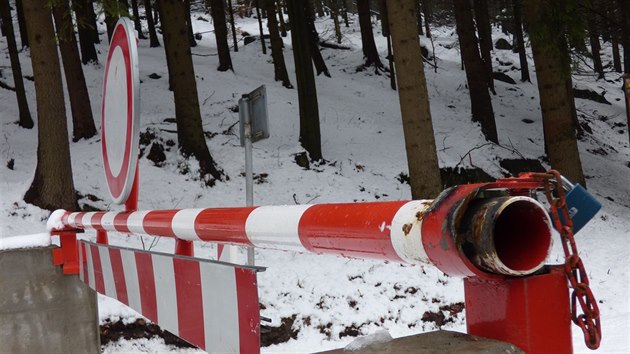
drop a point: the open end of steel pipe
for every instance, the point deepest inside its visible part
(506, 235)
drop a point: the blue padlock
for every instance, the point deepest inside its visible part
(581, 204)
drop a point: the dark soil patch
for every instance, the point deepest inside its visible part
(274, 335)
(591, 95)
(114, 331)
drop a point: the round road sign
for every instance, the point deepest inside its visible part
(120, 118)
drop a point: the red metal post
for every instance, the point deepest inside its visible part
(131, 204)
(101, 237)
(532, 312)
(66, 255)
(184, 248)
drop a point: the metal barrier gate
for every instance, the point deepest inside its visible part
(494, 235)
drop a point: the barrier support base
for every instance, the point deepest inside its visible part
(531, 312)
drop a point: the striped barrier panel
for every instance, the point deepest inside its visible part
(210, 304)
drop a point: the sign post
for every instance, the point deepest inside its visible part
(254, 126)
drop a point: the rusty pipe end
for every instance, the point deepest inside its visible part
(506, 235)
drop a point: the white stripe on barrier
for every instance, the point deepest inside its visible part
(108, 276)
(108, 221)
(405, 231)
(183, 224)
(220, 302)
(131, 279)
(90, 265)
(71, 219)
(87, 218)
(276, 227)
(166, 294)
(135, 222)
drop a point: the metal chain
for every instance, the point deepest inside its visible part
(588, 320)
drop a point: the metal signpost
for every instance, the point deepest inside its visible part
(254, 126)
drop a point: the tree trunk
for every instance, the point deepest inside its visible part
(190, 134)
(260, 27)
(485, 38)
(19, 9)
(624, 6)
(86, 34)
(419, 18)
(136, 19)
(316, 55)
(279, 67)
(25, 114)
(424, 172)
(344, 14)
(595, 48)
(231, 10)
(191, 35)
(217, 11)
(52, 186)
(426, 8)
(110, 8)
(310, 137)
(92, 20)
(283, 25)
(517, 6)
(153, 39)
(614, 36)
(551, 57)
(334, 13)
(367, 37)
(385, 31)
(481, 103)
(319, 7)
(82, 120)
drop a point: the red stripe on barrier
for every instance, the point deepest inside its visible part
(189, 301)
(248, 312)
(96, 221)
(64, 217)
(360, 230)
(119, 275)
(225, 224)
(146, 285)
(159, 222)
(120, 222)
(99, 283)
(78, 219)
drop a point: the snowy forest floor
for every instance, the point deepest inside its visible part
(327, 301)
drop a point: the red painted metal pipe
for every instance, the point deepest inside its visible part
(463, 232)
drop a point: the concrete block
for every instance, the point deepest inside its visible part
(41, 309)
(437, 342)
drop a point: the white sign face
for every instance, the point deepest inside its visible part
(120, 119)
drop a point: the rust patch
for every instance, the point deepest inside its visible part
(407, 229)
(420, 215)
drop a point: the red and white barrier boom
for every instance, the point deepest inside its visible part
(494, 235)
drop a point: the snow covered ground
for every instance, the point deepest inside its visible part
(335, 299)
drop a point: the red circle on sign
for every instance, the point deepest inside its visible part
(120, 162)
